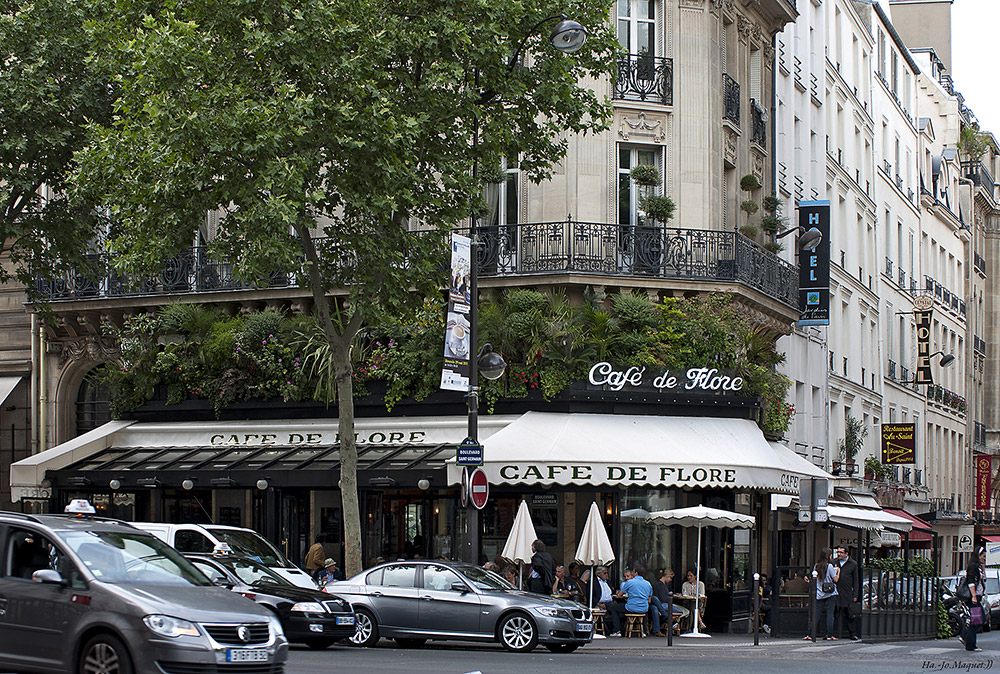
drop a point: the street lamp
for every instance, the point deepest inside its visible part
(567, 36)
(809, 239)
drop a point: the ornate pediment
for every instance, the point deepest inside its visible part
(641, 127)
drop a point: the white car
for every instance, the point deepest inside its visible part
(205, 538)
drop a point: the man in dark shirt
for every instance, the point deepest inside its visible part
(543, 570)
(847, 591)
(661, 599)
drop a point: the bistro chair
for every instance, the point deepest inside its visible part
(635, 625)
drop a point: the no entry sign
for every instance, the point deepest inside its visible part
(479, 488)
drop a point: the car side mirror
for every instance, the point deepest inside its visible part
(48, 577)
(459, 587)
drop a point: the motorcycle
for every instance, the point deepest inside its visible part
(957, 610)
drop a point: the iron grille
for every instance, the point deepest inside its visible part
(259, 633)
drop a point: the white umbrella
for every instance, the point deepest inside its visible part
(634, 514)
(701, 516)
(522, 535)
(595, 546)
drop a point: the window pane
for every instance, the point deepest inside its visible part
(623, 34)
(398, 576)
(647, 9)
(624, 7)
(439, 578)
(511, 207)
(624, 199)
(644, 42)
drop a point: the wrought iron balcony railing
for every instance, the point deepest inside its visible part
(645, 78)
(977, 172)
(758, 120)
(600, 249)
(730, 99)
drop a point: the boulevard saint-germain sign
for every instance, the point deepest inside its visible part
(694, 380)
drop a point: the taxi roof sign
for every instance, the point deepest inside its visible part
(222, 549)
(80, 507)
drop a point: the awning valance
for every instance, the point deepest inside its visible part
(921, 530)
(866, 518)
(617, 449)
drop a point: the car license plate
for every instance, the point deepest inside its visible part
(584, 627)
(247, 655)
(345, 620)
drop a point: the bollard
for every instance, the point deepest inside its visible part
(670, 619)
(812, 605)
(756, 609)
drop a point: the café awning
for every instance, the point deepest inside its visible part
(542, 448)
(921, 531)
(869, 519)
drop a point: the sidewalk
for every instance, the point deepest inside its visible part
(723, 641)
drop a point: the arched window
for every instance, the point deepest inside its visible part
(93, 402)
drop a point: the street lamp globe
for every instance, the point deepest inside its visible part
(568, 36)
(490, 363)
(946, 360)
(810, 239)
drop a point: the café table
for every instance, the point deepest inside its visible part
(688, 601)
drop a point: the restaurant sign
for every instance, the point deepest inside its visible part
(898, 443)
(695, 379)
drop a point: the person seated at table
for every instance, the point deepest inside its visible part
(695, 588)
(510, 575)
(765, 603)
(602, 595)
(661, 597)
(559, 582)
(572, 580)
(795, 585)
(637, 592)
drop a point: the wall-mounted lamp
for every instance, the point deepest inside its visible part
(115, 484)
(262, 484)
(423, 484)
(808, 238)
(151, 482)
(187, 483)
(222, 482)
(946, 358)
(385, 481)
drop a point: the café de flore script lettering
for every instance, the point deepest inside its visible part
(696, 379)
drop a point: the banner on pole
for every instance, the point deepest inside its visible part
(455, 372)
(984, 481)
(814, 265)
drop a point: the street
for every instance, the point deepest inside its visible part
(626, 656)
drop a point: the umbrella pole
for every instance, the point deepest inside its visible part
(520, 575)
(697, 595)
(590, 590)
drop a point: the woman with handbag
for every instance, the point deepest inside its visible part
(826, 575)
(974, 579)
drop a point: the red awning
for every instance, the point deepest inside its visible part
(991, 539)
(921, 530)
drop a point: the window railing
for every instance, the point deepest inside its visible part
(730, 99)
(891, 370)
(758, 120)
(508, 250)
(642, 77)
(941, 395)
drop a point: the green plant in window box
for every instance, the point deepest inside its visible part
(874, 469)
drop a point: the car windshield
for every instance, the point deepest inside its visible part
(253, 573)
(249, 544)
(132, 558)
(485, 580)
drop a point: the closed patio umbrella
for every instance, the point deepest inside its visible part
(522, 534)
(700, 516)
(595, 546)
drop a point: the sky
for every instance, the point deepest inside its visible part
(974, 28)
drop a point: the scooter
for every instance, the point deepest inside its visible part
(957, 610)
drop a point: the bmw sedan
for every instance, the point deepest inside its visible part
(311, 617)
(413, 602)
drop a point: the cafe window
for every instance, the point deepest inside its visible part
(646, 544)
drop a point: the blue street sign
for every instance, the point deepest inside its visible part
(470, 453)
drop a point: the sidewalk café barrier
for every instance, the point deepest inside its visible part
(894, 605)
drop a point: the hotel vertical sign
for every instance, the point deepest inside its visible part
(984, 481)
(922, 311)
(814, 265)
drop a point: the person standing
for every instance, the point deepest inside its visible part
(315, 557)
(847, 591)
(543, 569)
(974, 576)
(827, 575)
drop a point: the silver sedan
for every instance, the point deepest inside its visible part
(412, 602)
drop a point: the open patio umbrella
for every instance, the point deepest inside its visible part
(595, 546)
(518, 546)
(700, 516)
(634, 514)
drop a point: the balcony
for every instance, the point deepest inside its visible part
(978, 263)
(645, 78)
(730, 100)
(891, 370)
(977, 172)
(943, 396)
(510, 251)
(758, 120)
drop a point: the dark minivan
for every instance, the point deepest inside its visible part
(82, 594)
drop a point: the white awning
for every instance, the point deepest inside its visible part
(7, 385)
(617, 449)
(866, 518)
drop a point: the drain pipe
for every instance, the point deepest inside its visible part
(43, 398)
(34, 383)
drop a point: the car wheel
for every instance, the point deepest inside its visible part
(517, 633)
(320, 644)
(105, 654)
(562, 648)
(365, 629)
(410, 643)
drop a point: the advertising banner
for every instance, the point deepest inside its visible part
(814, 265)
(899, 443)
(984, 481)
(455, 372)
(923, 322)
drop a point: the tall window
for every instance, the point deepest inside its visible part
(637, 26)
(628, 193)
(502, 198)
(93, 402)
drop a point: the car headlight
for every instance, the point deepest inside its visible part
(167, 626)
(308, 607)
(550, 612)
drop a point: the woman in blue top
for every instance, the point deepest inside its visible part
(827, 575)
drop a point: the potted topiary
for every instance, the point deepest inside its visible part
(855, 433)
(874, 469)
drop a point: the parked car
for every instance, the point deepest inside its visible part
(203, 538)
(312, 617)
(81, 594)
(412, 602)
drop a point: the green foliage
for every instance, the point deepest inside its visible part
(749, 206)
(853, 441)
(646, 175)
(918, 566)
(657, 208)
(943, 627)
(875, 467)
(770, 224)
(774, 247)
(972, 142)
(749, 231)
(772, 204)
(749, 183)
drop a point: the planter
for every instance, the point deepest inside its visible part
(837, 467)
(851, 468)
(869, 475)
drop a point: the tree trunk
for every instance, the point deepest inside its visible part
(348, 463)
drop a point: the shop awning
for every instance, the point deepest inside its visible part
(991, 539)
(921, 530)
(868, 519)
(618, 449)
(7, 385)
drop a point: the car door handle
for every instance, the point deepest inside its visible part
(427, 597)
(375, 594)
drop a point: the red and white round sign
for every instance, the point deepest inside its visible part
(479, 488)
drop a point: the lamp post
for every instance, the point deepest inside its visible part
(567, 36)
